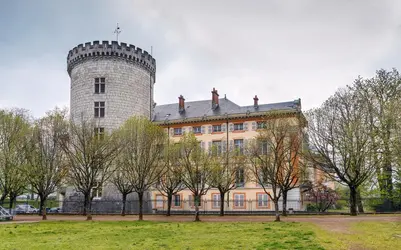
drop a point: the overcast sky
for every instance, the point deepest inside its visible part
(279, 50)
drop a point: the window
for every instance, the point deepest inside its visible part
(97, 191)
(159, 201)
(215, 200)
(239, 200)
(261, 125)
(100, 85)
(263, 147)
(177, 200)
(239, 177)
(99, 109)
(216, 128)
(262, 200)
(177, 131)
(216, 147)
(239, 146)
(238, 126)
(197, 130)
(99, 133)
(192, 201)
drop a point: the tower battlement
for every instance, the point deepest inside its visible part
(98, 50)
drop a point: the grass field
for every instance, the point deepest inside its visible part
(190, 235)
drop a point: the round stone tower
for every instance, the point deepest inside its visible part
(110, 82)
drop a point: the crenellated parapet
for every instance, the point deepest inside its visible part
(123, 51)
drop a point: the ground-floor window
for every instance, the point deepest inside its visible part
(192, 200)
(215, 200)
(159, 201)
(177, 200)
(262, 200)
(97, 191)
(239, 200)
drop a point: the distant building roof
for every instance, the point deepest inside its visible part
(202, 110)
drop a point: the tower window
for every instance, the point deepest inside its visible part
(99, 132)
(100, 85)
(99, 109)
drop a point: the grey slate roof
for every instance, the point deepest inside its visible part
(203, 109)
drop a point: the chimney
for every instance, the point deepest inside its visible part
(181, 104)
(215, 99)
(255, 102)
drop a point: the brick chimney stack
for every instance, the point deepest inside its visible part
(215, 99)
(255, 101)
(181, 104)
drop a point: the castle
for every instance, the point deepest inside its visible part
(113, 81)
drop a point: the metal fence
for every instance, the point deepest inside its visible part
(371, 205)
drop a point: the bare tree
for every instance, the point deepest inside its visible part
(272, 163)
(293, 165)
(196, 169)
(141, 155)
(90, 152)
(121, 180)
(47, 166)
(225, 163)
(170, 183)
(14, 130)
(341, 141)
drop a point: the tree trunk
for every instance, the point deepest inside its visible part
(85, 204)
(11, 202)
(43, 207)
(196, 199)
(169, 202)
(276, 209)
(2, 198)
(359, 202)
(285, 202)
(221, 203)
(88, 202)
(352, 200)
(124, 202)
(140, 198)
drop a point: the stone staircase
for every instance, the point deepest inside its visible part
(4, 214)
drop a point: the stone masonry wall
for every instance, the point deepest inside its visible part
(127, 90)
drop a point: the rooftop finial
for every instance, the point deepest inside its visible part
(117, 31)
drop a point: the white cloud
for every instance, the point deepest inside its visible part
(279, 50)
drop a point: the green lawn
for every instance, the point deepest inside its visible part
(191, 235)
(156, 235)
(363, 235)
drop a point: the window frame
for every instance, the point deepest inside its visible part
(173, 205)
(177, 134)
(260, 125)
(216, 126)
(258, 200)
(213, 200)
(241, 124)
(95, 189)
(100, 85)
(219, 146)
(241, 147)
(99, 109)
(238, 206)
(157, 196)
(196, 127)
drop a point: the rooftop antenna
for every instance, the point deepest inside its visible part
(117, 31)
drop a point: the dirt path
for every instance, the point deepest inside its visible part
(331, 223)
